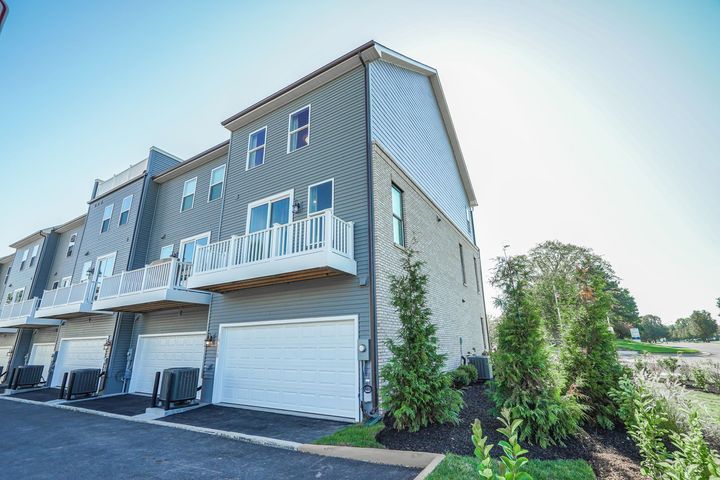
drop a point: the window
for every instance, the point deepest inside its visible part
(18, 295)
(217, 182)
(256, 148)
(462, 264)
(125, 210)
(85, 273)
(265, 213)
(477, 275)
(189, 245)
(320, 197)
(299, 129)
(167, 251)
(7, 275)
(65, 282)
(55, 285)
(103, 268)
(468, 216)
(71, 245)
(107, 215)
(188, 198)
(398, 215)
(34, 255)
(24, 260)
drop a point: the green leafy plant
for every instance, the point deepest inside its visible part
(699, 377)
(460, 378)
(471, 371)
(670, 364)
(513, 459)
(417, 392)
(524, 380)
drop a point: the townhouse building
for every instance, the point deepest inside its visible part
(266, 261)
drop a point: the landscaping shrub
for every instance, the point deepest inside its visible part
(512, 462)
(471, 371)
(460, 378)
(416, 392)
(523, 381)
(670, 364)
(588, 355)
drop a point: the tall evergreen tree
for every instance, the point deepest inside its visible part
(417, 392)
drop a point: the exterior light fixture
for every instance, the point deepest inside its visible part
(210, 340)
(296, 207)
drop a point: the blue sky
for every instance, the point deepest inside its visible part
(595, 123)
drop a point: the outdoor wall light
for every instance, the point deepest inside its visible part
(210, 340)
(296, 207)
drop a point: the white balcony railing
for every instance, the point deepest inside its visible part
(120, 178)
(19, 309)
(73, 294)
(313, 234)
(162, 275)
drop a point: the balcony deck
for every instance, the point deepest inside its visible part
(73, 301)
(22, 314)
(158, 286)
(315, 247)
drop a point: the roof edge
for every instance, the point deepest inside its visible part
(195, 161)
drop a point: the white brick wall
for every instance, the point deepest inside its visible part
(457, 309)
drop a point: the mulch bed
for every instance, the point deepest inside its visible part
(612, 454)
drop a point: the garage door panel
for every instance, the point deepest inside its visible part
(78, 353)
(306, 367)
(156, 353)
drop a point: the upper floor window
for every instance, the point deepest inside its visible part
(7, 275)
(256, 148)
(320, 197)
(71, 244)
(86, 271)
(299, 129)
(65, 282)
(34, 255)
(462, 264)
(125, 210)
(188, 246)
(217, 182)
(55, 285)
(398, 216)
(18, 295)
(468, 215)
(188, 198)
(477, 274)
(167, 251)
(107, 215)
(23, 260)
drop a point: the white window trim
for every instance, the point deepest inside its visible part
(84, 277)
(249, 150)
(128, 209)
(109, 219)
(278, 196)
(71, 244)
(103, 257)
(222, 191)
(182, 198)
(69, 281)
(194, 238)
(33, 256)
(55, 285)
(14, 294)
(290, 132)
(332, 197)
(172, 250)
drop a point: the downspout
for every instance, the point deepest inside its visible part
(371, 241)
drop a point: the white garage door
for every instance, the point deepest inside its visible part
(77, 353)
(4, 359)
(306, 366)
(41, 354)
(155, 353)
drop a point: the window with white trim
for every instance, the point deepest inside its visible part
(7, 275)
(125, 210)
(86, 273)
(188, 198)
(55, 285)
(217, 183)
(71, 245)
(65, 282)
(256, 148)
(18, 295)
(34, 255)
(24, 258)
(107, 215)
(320, 197)
(167, 251)
(188, 246)
(299, 129)
(477, 274)
(398, 216)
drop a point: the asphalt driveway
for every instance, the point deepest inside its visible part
(41, 442)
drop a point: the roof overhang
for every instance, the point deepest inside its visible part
(28, 321)
(72, 224)
(361, 55)
(7, 259)
(31, 238)
(8, 330)
(200, 159)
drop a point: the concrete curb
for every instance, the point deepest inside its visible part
(400, 458)
(430, 467)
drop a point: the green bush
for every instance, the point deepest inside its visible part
(460, 378)
(471, 371)
(524, 381)
(512, 462)
(416, 392)
(699, 377)
(670, 364)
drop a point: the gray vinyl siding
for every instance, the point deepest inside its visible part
(337, 150)
(170, 225)
(118, 238)
(7, 339)
(45, 335)
(62, 265)
(95, 326)
(24, 278)
(405, 119)
(3, 273)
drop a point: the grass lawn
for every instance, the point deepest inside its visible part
(710, 401)
(651, 347)
(457, 467)
(358, 435)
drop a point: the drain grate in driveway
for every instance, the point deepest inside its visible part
(42, 395)
(253, 422)
(128, 404)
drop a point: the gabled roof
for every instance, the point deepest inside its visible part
(365, 53)
(72, 224)
(7, 259)
(31, 238)
(193, 162)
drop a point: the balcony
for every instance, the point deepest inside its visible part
(314, 247)
(72, 301)
(22, 314)
(157, 286)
